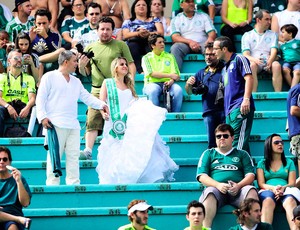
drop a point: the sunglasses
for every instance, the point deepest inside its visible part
(297, 218)
(4, 159)
(225, 136)
(277, 142)
(17, 58)
(92, 14)
(123, 64)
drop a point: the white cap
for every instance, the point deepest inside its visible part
(142, 206)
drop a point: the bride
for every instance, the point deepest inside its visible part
(131, 150)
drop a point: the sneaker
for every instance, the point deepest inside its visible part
(85, 155)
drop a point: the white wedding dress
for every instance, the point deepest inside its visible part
(141, 156)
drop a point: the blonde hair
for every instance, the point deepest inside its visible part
(127, 79)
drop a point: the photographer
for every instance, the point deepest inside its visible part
(17, 91)
(206, 83)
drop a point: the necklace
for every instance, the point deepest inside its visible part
(111, 8)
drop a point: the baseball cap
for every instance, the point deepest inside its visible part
(17, 3)
(296, 212)
(142, 206)
(181, 1)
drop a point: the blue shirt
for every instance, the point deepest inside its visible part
(293, 100)
(233, 77)
(211, 80)
(41, 46)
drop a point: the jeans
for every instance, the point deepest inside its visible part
(155, 90)
(211, 121)
(180, 50)
(3, 116)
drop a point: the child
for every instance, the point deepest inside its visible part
(290, 54)
(4, 41)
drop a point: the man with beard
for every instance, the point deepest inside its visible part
(249, 216)
(105, 51)
(138, 216)
(208, 79)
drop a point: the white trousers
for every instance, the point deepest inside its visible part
(69, 143)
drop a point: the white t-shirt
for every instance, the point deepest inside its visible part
(195, 28)
(289, 17)
(259, 44)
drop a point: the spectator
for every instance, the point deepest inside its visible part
(206, 6)
(206, 82)
(16, 194)
(87, 34)
(160, 72)
(4, 46)
(17, 91)
(293, 114)
(30, 60)
(236, 18)
(5, 16)
(105, 51)
(137, 29)
(57, 105)
(23, 21)
(276, 177)
(45, 42)
(296, 218)
(249, 216)
(118, 10)
(70, 25)
(238, 101)
(137, 215)
(260, 46)
(195, 215)
(227, 173)
(148, 160)
(290, 54)
(157, 11)
(190, 31)
(289, 16)
(50, 5)
(271, 5)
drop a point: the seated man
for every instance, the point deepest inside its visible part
(17, 91)
(137, 215)
(195, 215)
(15, 194)
(161, 71)
(227, 173)
(45, 42)
(260, 46)
(249, 215)
(190, 31)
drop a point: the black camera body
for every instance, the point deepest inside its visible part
(79, 48)
(199, 88)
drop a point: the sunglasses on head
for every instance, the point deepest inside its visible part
(277, 142)
(225, 136)
(4, 159)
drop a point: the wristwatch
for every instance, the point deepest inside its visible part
(6, 106)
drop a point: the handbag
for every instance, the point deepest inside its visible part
(16, 131)
(18, 105)
(167, 99)
(220, 94)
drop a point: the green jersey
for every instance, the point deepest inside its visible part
(291, 51)
(15, 26)
(234, 165)
(188, 228)
(260, 226)
(130, 227)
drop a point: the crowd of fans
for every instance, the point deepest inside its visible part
(34, 39)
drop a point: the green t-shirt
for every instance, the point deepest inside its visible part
(163, 63)
(281, 176)
(291, 51)
(260, 226)
(15, 26)
(130, 227)
(104, 54)
(233, 166)
(16, 90)
(188, 228)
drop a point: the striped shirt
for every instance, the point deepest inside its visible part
(15, 26)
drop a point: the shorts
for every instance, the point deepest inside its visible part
(291, 66)
(269, 194)
(223, 199)
(94, 120)
(6, 225)
(295, 146)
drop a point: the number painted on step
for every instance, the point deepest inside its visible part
(87, 164)
(175, 139)
(114, 212)
(255, 138)
(15, 141)
(258, 115)
(80, 188)
(261, 96)
(121, 188)
(71, 213)
(157, 211)
(38, 190)
(165, 187)
(180, 116)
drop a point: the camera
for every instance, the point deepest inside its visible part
(79, 48)
(199, 88)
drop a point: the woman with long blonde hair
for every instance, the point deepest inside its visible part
(131, 151)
